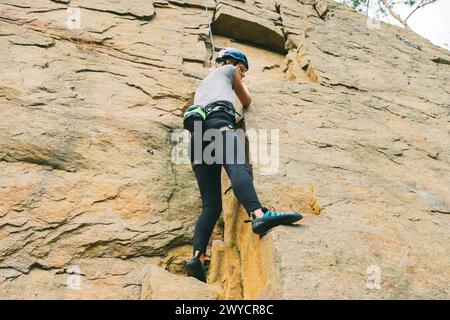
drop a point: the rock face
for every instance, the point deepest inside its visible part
(159, 284)
(249, 23)
(91, 94)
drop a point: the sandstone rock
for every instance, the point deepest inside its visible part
(85, 279)
(140, 9)
(321, 8)
(67, 123)
(159, 284)
(252, 26)
(90, 196)
(195, 3)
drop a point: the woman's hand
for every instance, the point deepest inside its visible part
(240, 88)
(248, 93)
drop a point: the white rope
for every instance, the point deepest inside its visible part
(210, 31)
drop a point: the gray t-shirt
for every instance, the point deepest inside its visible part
(217, 85)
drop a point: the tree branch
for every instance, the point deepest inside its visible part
(421, 4)
(384, 12)
(395, 15)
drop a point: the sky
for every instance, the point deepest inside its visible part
(431, 22)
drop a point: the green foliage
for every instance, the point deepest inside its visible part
(221, 222)
(361, 5)
(379, 6)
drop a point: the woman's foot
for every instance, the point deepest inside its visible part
(265, 219)
(195, 268)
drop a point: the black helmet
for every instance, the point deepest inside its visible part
(232, 53)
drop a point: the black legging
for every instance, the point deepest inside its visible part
(209, 182)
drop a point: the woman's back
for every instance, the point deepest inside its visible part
(217, 85)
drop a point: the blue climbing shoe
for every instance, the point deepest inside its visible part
(272, 219)
(195, 268)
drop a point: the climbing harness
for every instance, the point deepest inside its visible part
(210, 31)
(408, 43)
(200, 113)
(221, 106)
(193, 113)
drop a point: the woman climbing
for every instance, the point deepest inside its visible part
(217, 92)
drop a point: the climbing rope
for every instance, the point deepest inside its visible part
(210, 31)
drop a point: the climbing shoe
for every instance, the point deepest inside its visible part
(271, 219)
(194, 268)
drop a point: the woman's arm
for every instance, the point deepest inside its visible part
(241, 90)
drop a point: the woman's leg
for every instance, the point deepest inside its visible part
(239, 172)
(208, 179)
